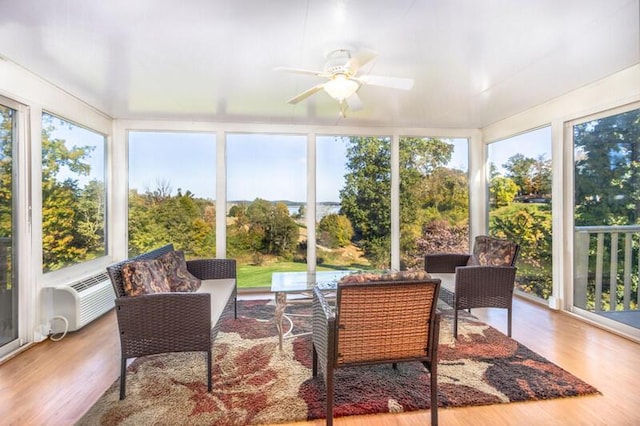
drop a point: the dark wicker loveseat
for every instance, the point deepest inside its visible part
(174, 321)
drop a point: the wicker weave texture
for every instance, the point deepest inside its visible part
(485, 287)
(444, 263)
(212, 269)
(158, 323)
(323, 335)
(384, 322)
(377, 322)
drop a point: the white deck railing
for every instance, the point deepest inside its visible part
(620, 264)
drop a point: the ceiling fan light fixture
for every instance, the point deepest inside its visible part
(340, 87)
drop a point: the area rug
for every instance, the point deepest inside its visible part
(255, 383)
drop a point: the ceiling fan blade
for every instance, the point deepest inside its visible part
(354, 102)
(306, 94)
(301, 71)
(391, 82)
(359, 59)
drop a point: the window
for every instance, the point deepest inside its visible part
(353, 181)
(266, 205)
(607, 215)
(73, 193)
(520, 205)
(8, 283)
(172, 192)
(434, 198)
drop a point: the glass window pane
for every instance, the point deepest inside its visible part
(266, 204)
(607, 216)
(8, 283)
(73, 193)
(172, 192)
(520, 205)
(353, 190)
(434, 198)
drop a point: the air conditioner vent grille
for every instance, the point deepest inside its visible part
(80, 286)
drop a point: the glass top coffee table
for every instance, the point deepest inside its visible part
(299, 283)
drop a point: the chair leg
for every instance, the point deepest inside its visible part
(455, 323)
(395, 365)
(509, 322)
(123, 377)
(235, 308)
(329, 396)
(434, 394)
(209, 372)
(314, 369)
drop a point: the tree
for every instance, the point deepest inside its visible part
(365, 198)
(62, 240)
(520, 171)
(157, 217)
(607, 170)
(263, 228)
(335, 230)
(531, 175)
(91, 217)
(503, 191)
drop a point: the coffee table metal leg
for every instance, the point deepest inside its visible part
(281, 304)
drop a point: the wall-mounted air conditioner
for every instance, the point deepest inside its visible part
(81, 302)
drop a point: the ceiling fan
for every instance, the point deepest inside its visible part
(343, 81)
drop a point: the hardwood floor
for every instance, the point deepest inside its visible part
(54, 383)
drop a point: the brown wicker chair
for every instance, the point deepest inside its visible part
(483, 279)
(377, 323)
(169, 322)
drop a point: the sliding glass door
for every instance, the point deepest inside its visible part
(8, 283)
(607, 218)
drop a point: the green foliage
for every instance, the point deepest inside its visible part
(532, 176)
(157, 218)
(430, 193)
(530, 226)
(365, 198)
(607, 170)
(6, 172)
(72, 217)
(335, 230)
(262, 228)
(503, 191)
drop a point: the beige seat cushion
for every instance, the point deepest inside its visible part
(220, 291)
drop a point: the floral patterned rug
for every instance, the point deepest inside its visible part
(255, 383)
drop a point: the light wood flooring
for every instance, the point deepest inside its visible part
(55, 383)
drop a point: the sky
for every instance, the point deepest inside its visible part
(272, 167)
(531, 144)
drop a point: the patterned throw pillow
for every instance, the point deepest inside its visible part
(368, 277)
(144, 277)
(493, 251)
(175, 266)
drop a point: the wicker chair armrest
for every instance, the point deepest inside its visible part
(164, 322)
(445, 262)
(212, 269)
(493, 284)
(323, 335)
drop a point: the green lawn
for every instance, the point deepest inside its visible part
(260, 276)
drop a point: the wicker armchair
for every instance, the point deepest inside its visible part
(483, 279)
(169, 322)
(377, 323)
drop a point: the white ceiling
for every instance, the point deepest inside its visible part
(474, 62)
